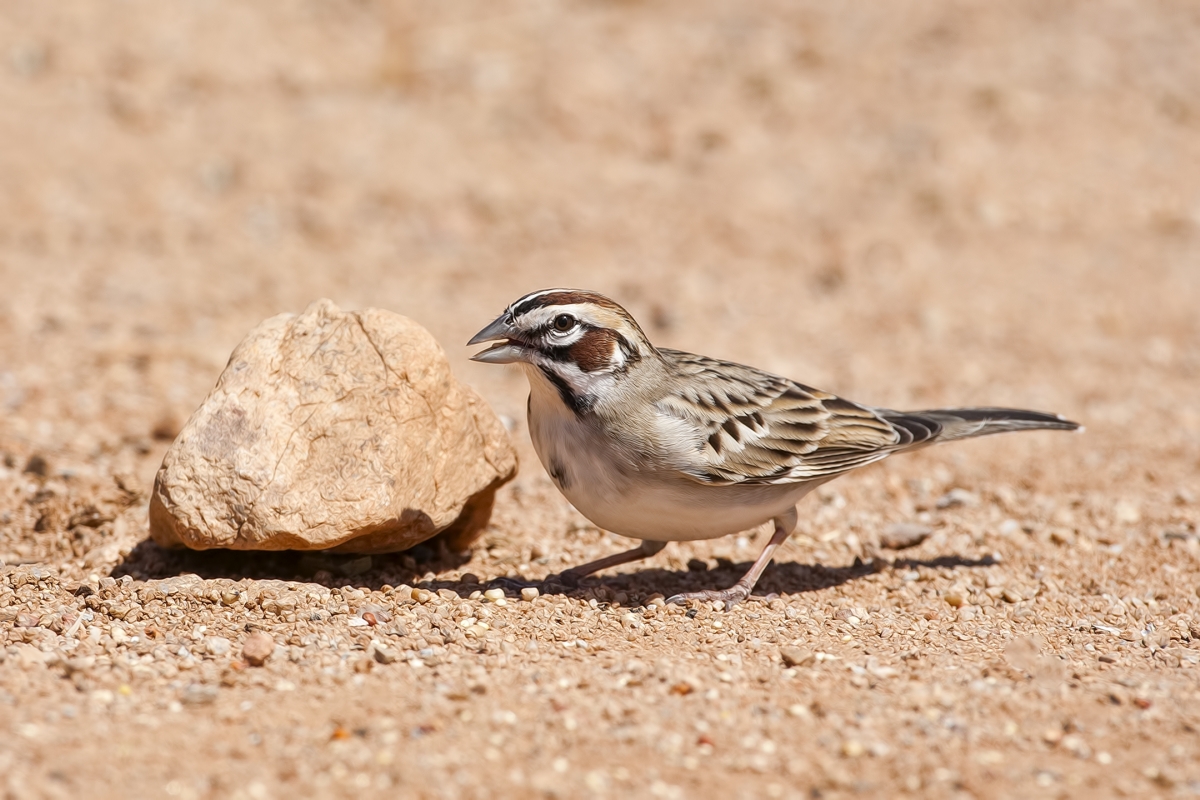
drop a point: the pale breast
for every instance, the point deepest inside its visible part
(622, 493)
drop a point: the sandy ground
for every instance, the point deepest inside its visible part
(912, 204)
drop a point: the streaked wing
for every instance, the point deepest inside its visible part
(761, 428)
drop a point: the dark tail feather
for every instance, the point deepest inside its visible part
(948, 424)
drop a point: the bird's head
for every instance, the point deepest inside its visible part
(566, 329)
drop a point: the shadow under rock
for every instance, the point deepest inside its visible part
(147, 561)
(778, 579)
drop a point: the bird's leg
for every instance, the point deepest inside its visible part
(784, 525)
(646, 549)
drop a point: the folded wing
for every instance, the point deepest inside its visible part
(762, 428)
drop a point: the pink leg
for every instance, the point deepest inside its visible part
(646, 549)
(784, 525)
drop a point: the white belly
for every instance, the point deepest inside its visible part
(663, 512)
(609, 488)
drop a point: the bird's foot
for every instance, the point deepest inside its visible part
(567, 579)
(730, 597)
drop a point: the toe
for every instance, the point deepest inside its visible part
(730, 597)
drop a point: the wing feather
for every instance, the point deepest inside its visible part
(759, 428)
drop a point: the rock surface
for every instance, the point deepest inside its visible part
(333, 429)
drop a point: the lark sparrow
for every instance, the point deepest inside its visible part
(663, 446)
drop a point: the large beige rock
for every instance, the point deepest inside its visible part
(333, 429)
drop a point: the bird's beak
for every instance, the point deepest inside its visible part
(507, 350)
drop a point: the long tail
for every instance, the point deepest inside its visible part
(948, 424)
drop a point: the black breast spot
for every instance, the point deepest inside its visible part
(558, 473)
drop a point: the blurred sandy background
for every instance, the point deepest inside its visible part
(911, 204)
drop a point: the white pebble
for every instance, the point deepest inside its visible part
(218, 646)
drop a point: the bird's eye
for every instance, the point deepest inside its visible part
(564, 323)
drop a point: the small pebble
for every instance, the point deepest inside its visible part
(218, 646)
(37, 465)
(796, 656)
(904, 535)
(1062, 536)
(956, 498)
(529, 593)
(1127, 512)
(198, 694)
(385, 655)
(258, 648)
(494, 594)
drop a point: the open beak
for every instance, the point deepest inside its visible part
(507, 350)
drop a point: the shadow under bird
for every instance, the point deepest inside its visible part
(662, 446)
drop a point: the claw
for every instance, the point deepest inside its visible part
(730, 597)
